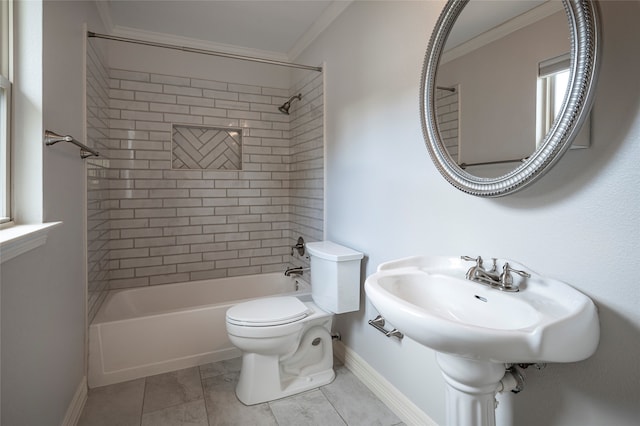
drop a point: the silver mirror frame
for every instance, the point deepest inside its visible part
(584, 29)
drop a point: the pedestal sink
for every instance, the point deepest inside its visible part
(476, 329)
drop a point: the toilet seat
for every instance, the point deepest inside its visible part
(269, 312)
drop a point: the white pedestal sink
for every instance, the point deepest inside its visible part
(476, 329)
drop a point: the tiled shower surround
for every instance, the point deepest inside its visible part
(448, 119)
(98, 202)
(172, 225)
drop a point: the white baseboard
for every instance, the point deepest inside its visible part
(385, 391)
(77, 404)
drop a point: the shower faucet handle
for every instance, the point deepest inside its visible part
(299, 247)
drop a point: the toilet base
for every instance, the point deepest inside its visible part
(269, 377)
(250, 394)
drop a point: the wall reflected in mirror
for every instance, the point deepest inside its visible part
(497, 94)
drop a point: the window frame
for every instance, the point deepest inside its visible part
(6, 61)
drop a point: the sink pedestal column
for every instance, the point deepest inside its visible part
(471, 389)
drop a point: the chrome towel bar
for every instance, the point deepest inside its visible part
(51, 138)
(378, 323)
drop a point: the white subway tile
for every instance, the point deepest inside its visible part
(259, 99)
(219, 94)
(190, 100)
(183, 258)
(168, 278)
(220, 255)
(128, 104)
(195, 211)
(147, 213)
(183, 230)
(139, 86)
(140, 262)
(177, 109)
(141, 232)
(170, 250)
(209, 84)
(196, 266)
(128, 75)
(121, 94)
(155, 270)
(183, 91)
(244, 88)
(210, 112)
(155, 97)
(182, 119)
(168, 221)
(219, 121)
(221, 103)
(170, 79)
(216, 229)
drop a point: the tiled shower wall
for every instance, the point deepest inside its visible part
(97, 85)
(178, 225)
(307, 160)
(448, 119)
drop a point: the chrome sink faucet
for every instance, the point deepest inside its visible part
(502, 281)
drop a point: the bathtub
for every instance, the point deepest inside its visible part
(150, 330)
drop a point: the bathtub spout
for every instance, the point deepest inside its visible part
(295, 271)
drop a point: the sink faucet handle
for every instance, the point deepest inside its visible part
(478, 260)
(506, 279)
(473, 271)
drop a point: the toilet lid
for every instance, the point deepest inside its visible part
(268, 312)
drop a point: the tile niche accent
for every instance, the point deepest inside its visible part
(206, 148)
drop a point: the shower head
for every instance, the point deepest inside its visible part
(284, 108)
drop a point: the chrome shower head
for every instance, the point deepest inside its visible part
(284, 108)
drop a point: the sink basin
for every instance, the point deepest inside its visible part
(429, 299)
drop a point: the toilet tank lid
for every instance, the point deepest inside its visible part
(331, 251)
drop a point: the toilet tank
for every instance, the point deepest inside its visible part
(335, 276)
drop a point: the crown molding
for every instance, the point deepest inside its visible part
(324, 20)
(534, 15)
(105, 14)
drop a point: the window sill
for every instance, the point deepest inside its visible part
(19, 239)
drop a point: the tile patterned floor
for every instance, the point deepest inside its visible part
(205, 396)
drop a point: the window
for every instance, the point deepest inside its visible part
(553, 78)
(5, 111)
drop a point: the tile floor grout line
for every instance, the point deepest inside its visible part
(144, 391)
(321, 389)
(206, 409)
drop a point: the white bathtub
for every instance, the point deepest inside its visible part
(150, 330)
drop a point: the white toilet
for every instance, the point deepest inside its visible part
(286, 343)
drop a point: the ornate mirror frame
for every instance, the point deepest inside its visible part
(585, 44)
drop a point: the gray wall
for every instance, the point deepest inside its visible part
(579, 223)
(44, 290)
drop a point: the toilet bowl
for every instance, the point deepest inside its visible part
(280, 356)
(286, 343)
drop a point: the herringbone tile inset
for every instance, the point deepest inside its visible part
(207, 148)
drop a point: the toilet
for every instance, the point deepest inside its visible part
(285, 342)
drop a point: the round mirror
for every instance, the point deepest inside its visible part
(505, 88)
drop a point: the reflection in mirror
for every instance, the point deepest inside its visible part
(496, 92)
